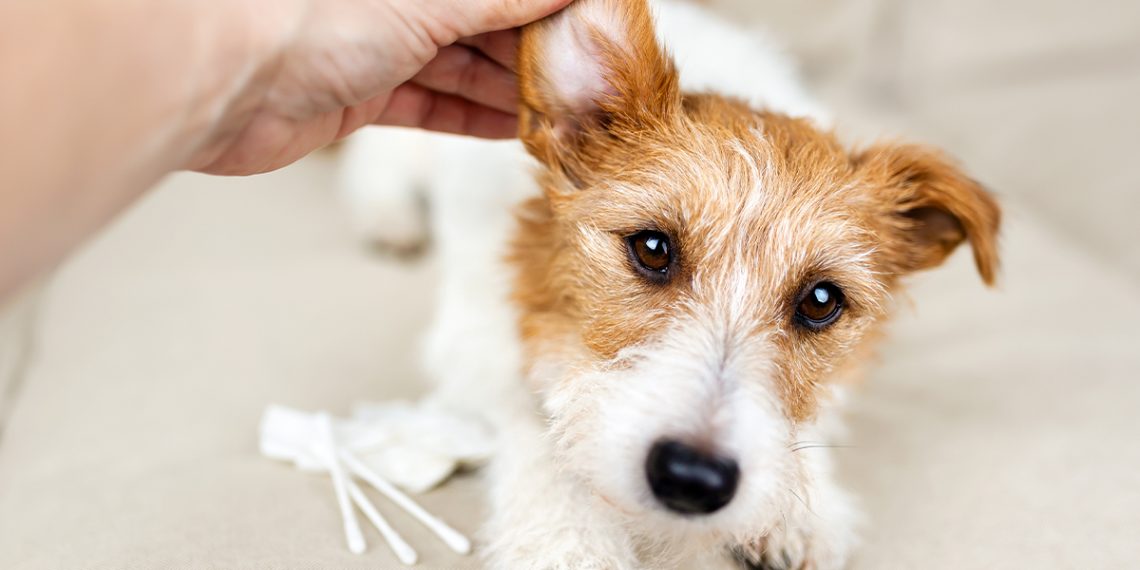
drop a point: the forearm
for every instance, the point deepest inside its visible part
(101, 98)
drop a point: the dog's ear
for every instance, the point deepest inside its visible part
(592, 70)
(930, 207)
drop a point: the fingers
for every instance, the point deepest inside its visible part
(501, 46)
(491, 15)
(457, 70)
(413, 105)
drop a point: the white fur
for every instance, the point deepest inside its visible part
(385, 197)
(572, 55)
(569, 487)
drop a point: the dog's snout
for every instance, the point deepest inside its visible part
(690, 481)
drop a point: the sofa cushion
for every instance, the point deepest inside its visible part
(134, 444)
(996, 433)
(17, 325)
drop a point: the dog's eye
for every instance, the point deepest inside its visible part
(821, 306)
(651, 254)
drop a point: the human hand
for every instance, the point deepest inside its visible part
(444, 65)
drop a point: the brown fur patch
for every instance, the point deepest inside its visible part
(758, 207)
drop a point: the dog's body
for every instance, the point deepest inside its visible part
(640, 323)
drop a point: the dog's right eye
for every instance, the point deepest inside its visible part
(652, 254)
(820, 306)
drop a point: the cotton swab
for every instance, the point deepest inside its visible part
(352, 531)
(310, 442)
(403, 550)
(448, 535)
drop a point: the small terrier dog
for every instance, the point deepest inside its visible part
(666, 316)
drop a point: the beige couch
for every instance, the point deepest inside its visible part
(1000, 430)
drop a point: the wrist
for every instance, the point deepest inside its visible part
(240, 55)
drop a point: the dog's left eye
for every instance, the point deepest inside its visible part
(651, 253)
(821, 306)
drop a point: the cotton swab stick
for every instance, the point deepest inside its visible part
(352, 532)
(403, 550)
(448, 535)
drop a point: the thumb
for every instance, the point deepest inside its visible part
(480, 16)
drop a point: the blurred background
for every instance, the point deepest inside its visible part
(999, 431)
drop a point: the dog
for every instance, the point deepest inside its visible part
(662, 308)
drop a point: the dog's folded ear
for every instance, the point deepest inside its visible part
(929, 207)
(594, 69)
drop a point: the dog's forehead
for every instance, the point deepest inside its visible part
(724, 154)
(736, 184)
(754, 200)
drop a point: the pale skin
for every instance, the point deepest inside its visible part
(102, 98)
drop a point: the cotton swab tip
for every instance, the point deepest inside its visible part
(356, 543)
(406, 555)
(453, 539)
(404, 551)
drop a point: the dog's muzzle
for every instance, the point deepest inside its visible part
(690, 481)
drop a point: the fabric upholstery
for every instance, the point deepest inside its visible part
(997, 431)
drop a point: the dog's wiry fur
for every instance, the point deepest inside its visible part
(592, 363)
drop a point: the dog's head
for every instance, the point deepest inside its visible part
(698, 273)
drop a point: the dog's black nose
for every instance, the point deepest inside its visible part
(690, 481)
